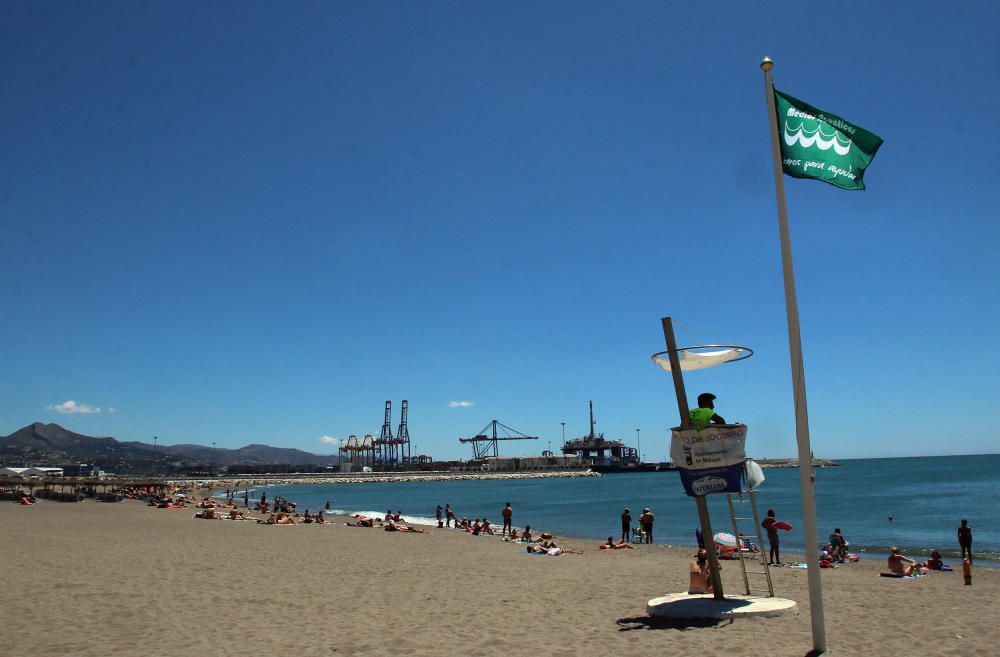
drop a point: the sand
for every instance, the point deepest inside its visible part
(109, 580)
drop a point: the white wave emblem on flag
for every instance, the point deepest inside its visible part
(808, 138)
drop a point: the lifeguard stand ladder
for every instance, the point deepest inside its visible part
(765, 572)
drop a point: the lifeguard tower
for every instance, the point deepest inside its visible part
(712, 461)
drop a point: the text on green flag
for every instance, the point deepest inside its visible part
(819, 145)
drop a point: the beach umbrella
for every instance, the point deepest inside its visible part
(722, 539)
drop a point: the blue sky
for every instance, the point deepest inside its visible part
(242, 223)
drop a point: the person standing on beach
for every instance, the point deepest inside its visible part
(626, 525)
(965, 539)
(437, 515)
(705, 414)
(774, 556)
(449, 515)
(507, 513)
(838, 545)
(646, 522)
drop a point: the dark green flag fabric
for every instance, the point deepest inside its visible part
(822, 146)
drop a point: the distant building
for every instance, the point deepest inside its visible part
(42, 472)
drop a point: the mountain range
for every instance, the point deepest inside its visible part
(52, 445)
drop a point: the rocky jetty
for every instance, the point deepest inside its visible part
(794, 463)
(378, 478)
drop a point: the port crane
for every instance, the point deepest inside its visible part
(487, 439)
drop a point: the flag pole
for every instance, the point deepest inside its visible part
(807, 479)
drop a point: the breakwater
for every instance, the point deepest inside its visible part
(794, 463)
(376, 478)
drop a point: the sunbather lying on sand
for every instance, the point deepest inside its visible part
(396, 527)
(620, 545)
(362, 521)
(550, 549)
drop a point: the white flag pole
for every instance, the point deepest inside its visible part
(807, 479)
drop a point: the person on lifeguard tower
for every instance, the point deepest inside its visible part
(705, 413)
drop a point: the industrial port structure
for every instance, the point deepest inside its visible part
(386, 451)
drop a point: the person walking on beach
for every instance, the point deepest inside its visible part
(646, 522)
(507, 513)
(626, 525)
(774, 556)
(449, 515)
(437, 514)
(705, 414)
(965, 539)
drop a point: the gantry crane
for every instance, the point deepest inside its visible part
(487, 438)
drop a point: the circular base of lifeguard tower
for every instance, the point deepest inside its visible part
(686, 606)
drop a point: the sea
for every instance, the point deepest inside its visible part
(915, 503)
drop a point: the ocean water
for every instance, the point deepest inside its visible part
(926, 498)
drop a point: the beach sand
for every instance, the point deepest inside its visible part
(110, 580)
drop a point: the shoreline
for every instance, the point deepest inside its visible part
(985, 559)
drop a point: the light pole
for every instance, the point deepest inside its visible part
(154, 443)
(638, 446)
(564, 433)
(214, 456)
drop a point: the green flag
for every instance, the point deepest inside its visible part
(819, 145)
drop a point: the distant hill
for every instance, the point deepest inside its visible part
(51, 444)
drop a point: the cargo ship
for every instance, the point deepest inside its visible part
(605, 455)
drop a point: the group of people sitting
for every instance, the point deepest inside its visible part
(278, 505)
(901, 565)
(478, 527)
(544, 544)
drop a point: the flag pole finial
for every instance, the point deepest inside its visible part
(766, 64)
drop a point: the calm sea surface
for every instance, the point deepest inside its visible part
(926, 497)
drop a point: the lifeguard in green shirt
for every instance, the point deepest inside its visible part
(705, 414)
